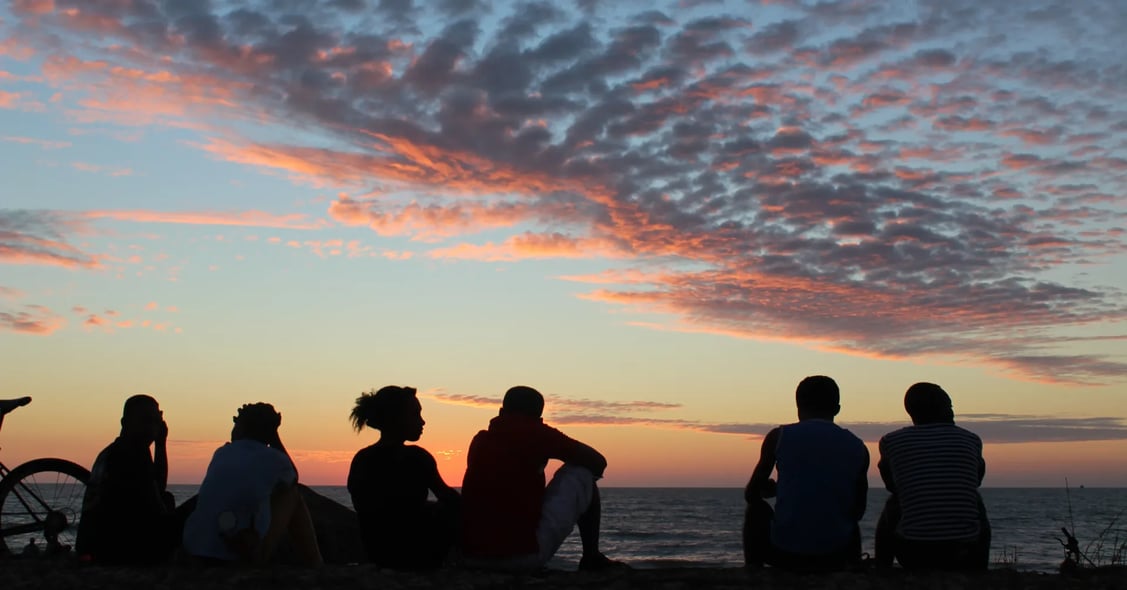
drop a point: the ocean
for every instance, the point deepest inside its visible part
(666, 527)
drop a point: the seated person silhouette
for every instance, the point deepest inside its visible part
(935, 518)
(509, 520)
(389, 482)
(249, 501)
(128, 516)
(821, 489)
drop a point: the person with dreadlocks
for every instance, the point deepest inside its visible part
(249, 500)
(390, 481)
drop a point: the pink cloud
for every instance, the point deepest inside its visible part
(34, 319)
(558, 403)
(1034, 137)
(955, 123)
(1021, 161)
(34, 6)
(97, 169)
(396, 160)
(41, 143)
(747, 181)
(433, 222)
(226, 218)
(885, 99)
(529, 246)
(16, 248)
(18, 101)
(139, 96)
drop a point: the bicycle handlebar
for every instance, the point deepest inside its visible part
(7, 405)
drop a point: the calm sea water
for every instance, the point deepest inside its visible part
(656, 527)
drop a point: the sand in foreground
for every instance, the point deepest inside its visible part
(18, 574)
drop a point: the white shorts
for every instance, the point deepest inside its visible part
(566, 498)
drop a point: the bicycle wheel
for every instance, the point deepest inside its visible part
(41, 503)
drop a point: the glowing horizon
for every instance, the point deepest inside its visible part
(661, 216)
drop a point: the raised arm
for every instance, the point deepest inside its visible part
(586, 456)
(276, 442)
(160, 457)
(761, 485)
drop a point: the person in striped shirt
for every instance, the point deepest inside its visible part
(935, 517)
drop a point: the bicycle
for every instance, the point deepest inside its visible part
(40, 500)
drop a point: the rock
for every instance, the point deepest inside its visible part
(338, 532)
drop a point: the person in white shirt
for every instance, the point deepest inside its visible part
(249, 499)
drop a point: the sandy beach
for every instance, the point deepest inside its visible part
(66, 575)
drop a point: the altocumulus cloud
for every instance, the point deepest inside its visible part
(887, 183)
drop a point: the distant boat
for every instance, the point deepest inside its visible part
(1081, 486)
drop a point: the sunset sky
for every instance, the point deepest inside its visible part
(663, 215)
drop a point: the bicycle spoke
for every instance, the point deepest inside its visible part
(38, 498)
(42, 505)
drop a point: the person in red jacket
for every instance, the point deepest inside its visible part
(511, 521)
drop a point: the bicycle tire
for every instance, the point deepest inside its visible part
(34, 496)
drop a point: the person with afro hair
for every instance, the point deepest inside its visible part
(249, 500)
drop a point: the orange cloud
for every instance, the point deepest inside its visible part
(109, 321)
(134, 96)
(33, 250)
(34, 6)
(532, 246)
(34, 319)
(963, 124)
(19, 101)
(425, 221)
(96, 169)
(398, 160)
(557, 403)
(12, 48)
(1021, 161)
(1033, 136)
(228, 218)
(42, 143)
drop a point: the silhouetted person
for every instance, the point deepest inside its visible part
(510, 521)
(249, 501)
(128, 516)
(389, 483)
(821, 489)
(935, 518)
